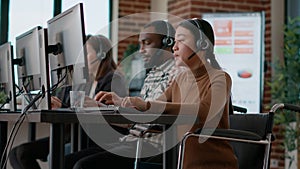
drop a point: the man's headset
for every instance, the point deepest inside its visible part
(202, 43)
(168, 41)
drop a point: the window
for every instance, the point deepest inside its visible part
(24, 15)
(96, 15)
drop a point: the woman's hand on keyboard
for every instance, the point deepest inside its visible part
(55, 102)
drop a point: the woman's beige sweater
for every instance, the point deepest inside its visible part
(204, 92)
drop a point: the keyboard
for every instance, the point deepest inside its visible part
(129, 110)
(105, 109)
(101, 109)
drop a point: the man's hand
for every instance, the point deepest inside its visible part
(88, 102)
(108, 98)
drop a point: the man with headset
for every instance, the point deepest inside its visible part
(156, 42)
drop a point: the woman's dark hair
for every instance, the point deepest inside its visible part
(197, 26)
(102, 44)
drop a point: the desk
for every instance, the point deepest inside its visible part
(57, 119)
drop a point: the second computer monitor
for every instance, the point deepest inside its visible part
(32, 63)
(66, 39)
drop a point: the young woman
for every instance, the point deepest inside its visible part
(204, 90)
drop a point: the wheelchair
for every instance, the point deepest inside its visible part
(249, 134)
(158, 129)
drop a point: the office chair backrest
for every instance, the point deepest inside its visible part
(250, 156)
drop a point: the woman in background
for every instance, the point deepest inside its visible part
(102, 70)
(102, 67)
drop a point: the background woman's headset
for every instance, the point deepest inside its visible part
(101, 55)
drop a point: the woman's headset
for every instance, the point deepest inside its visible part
(167, 41)
(101, 55)
(202, 43)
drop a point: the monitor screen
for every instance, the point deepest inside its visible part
(7, 82)
(66, 39)
(28, 55)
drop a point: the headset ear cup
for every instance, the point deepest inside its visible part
(205, 44)
(168, 42)
(202, 44)
(101, 55)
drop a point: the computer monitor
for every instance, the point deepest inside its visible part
(28, 56)
(32, 64)
(7, 82)
(66, 50)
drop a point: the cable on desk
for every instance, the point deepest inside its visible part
(17, 126)
(21, 119)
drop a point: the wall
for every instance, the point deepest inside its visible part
(194, 8)
(126, 8)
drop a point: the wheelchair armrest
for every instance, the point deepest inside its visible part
(239, 109)
(230, 133)
(153, 129)
(142, 131)
(156, 127)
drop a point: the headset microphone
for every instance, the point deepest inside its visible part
(193, 54)
(95, 60)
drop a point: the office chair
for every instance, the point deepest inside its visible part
(250, 136)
